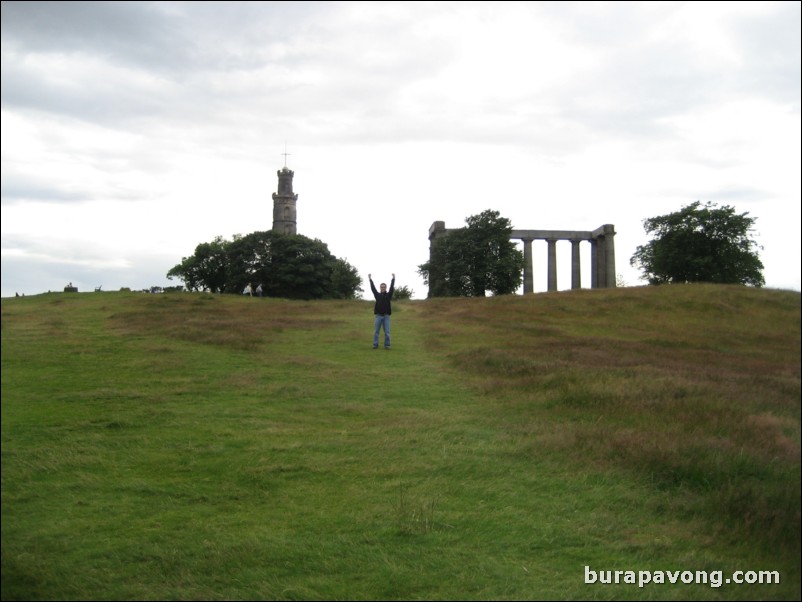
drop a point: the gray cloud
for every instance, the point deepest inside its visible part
(131, 32)
(22, 189)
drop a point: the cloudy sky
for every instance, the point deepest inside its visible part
(133, 131)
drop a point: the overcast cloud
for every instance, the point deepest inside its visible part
(133, 131)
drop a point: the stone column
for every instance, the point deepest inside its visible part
(601, 263)
(529, 284)
(552, 264)
(609, 255)
(436, 231)
(594, 263)
(576, 274)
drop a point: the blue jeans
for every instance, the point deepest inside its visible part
(381, 321)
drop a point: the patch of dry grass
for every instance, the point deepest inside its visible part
(696, 388)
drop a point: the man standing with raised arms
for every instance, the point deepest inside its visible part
(381, 311)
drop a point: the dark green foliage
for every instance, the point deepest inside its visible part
(402, 292)
(345, 280)
(700, 243)
(470, 261)
(286, 265)
(206, 269)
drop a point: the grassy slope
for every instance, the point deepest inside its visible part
(199, 447)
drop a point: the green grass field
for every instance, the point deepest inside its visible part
(190, 446)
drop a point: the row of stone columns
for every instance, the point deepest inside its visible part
(602, 245)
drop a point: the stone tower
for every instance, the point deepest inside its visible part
(284, 214)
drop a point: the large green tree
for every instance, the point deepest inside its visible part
(475, 260)
(700, 243)
(345, 280)
(207, 269)
(286, 265)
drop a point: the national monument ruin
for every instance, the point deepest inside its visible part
(602, 251)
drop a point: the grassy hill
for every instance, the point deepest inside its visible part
(190, 446)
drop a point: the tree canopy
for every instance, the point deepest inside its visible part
(286, 265)
(206, 269)
(474, 260)
(700, 243)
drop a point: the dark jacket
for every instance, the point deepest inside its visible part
(382, 307)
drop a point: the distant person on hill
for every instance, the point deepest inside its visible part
(381, 311)
(259, 290)
(248, 290)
